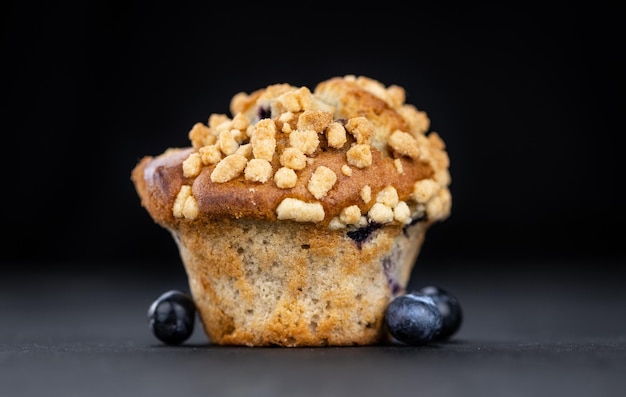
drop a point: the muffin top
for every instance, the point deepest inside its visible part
(347, 153)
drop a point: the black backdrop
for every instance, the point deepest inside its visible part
(528, 99)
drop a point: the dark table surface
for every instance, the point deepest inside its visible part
(546, 328)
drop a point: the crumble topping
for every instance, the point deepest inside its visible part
(322, 180)
(210, 154)
(359, 155)
(293, 158)
(258, 170)
(314, 120)
(350, 215)
(263, 139)
(200, 135)
(388, 196)
(277, 132)
(366, 193)
(300, 211)
(227, 141)
(424, 190)
(185, 205)
(229, 168)
(398, 164)
(402, 212)
(192, 165)
(404, 144)
(380, 213)
(336, 135)
(285, 178)
(362, 130)
(306, 141)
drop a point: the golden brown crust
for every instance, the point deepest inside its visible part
(158, 181)
(236, 168)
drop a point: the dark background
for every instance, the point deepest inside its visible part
(528, 99)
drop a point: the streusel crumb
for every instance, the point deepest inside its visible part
(322, 180)
(258, 170)
(285, 134)
(229, 168)
(300, 211)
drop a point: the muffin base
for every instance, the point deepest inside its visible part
(290, 284)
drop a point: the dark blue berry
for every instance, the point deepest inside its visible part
(449, 307)
(172, 317)
(361, 234)
(413, 319)
(264, 113)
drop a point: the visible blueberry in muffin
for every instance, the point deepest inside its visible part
(361, 234)
(264, 113)
(389, 265)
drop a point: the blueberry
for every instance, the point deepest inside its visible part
(172, 317)
(449, 307)
(413, 319)
(264, 113)
(361, 234)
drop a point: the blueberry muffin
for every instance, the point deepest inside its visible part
(301, 215)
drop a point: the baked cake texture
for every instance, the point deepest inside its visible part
(299, 218)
